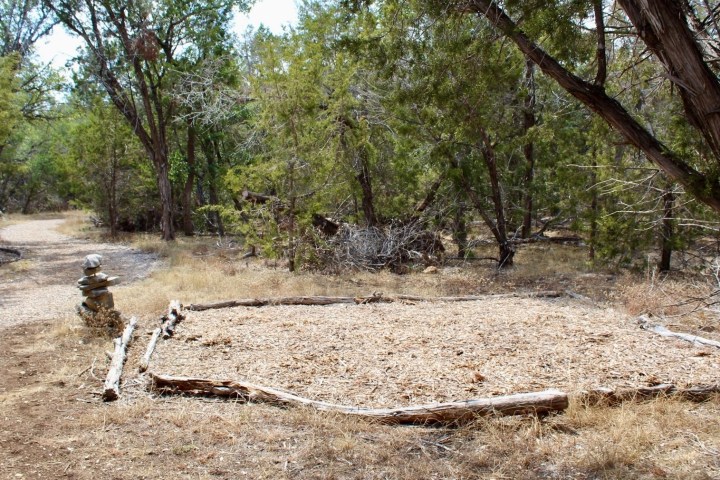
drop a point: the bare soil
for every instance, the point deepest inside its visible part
(54, 425)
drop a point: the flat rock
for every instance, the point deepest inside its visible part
(93, 279)
(96, 293)
(103, 301)
(88, 272)
(92, 261)
(108, 282)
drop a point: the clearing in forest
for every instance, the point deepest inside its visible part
(406, 353)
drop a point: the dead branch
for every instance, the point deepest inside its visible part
(645, 324)
(111, 390)
(451, 413)
(608, 396)
(145, 362)
(379, 298)
(172, 318)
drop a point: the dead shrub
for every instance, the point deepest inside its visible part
(105, 322)
(374, 248)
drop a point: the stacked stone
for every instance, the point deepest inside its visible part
(94, 285)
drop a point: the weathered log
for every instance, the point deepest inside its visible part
(111, 391)
(609, 396)
(145, 361)
(440, 413)
(375, 298)
(645, 324)
(172, 318)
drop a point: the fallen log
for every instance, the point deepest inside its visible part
(172, 318)
(451, 413)
(145, 361)
(645, 324)
(374, 298)
(608, 396)
(111, 391)
(544, 239)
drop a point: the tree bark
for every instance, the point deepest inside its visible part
(668, 230)
(459, 230)
(188, 228)
(368, 199)
(451, 413)
(529, 121)
(111, 391)
(213, 166)
(662, 25)
(703, 187)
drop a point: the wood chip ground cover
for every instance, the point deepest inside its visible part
(383, 355)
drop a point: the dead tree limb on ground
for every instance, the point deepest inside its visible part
(172, 318)
(150, 349)
(374, 298)
(111, 391)
(167, 330)
(451, 413)
(645, 324)
(608, 396)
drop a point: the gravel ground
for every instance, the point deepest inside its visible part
(42, 285)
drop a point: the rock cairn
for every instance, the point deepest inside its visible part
(94, 286)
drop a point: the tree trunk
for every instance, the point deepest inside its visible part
(701, 186)
(368, 201)
(507, 251)
(112, 200)
(663, 26)
(28, 199)
(188, 228)
(593, 207)
(460, 233)
(529, 121)
(668, 230)
(165, 187)
(213, 165)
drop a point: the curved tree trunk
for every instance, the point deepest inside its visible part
(697, 76)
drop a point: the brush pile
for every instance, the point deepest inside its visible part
(392, 246)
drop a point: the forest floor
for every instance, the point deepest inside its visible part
(53, 423)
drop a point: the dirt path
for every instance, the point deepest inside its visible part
(42, 286)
